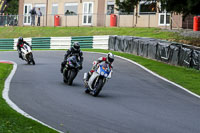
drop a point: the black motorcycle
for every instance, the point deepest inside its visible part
(71, 69)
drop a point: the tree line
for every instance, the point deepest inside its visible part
(185, 7)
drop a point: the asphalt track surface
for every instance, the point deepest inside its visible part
(133, 101)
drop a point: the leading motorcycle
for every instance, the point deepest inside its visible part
(27, 54)
(98, 78)
(71, 69)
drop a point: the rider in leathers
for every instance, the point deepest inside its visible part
(74, 50)
(20, 44)
(109, 59)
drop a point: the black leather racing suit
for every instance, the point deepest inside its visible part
(72, 52)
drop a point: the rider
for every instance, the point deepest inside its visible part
(74, 50)
(109, 59)
(20, 44)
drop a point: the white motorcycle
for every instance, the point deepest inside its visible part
(27, 54)
(98, 78)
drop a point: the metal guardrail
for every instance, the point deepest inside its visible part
(41, 43)
(6, 43)
(85, 42)
(100, 42)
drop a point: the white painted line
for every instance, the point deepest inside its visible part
(179, 86)
(12, 104)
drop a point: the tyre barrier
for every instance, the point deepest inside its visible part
(169, 52)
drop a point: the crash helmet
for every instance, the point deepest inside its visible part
(20, 39)
(110, 57)
(76, 46)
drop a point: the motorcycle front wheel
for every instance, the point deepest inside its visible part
(98, 87)
(72, 75)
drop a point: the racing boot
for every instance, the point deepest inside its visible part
(20, 55)
(88, 75)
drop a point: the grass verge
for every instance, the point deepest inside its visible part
(10, 120)
(186, 77)
(15, 32)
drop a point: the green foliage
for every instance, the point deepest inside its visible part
(126, 5)
(184, 7)
(12, 7)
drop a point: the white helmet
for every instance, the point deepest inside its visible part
(110, 57)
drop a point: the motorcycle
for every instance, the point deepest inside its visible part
(71, 69)
(27, 54)
(98, 78)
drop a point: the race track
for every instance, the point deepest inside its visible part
(133, 101)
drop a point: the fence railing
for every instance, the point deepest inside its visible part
(101, 20)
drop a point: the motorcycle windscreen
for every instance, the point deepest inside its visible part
(104, 70)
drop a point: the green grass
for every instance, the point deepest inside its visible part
(186, 77)
(15, 32)
(10, 120)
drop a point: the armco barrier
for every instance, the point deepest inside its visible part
(85, 41)
(7, 44)
(60, 42)
(96, 42)
(100, 42)
(169, 52)
(41, 43)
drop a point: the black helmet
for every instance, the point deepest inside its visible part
(76, 46)
(20, 39)
(110, 57)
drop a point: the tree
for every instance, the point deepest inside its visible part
(184, 7)
(126, 5)
(12, 7)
